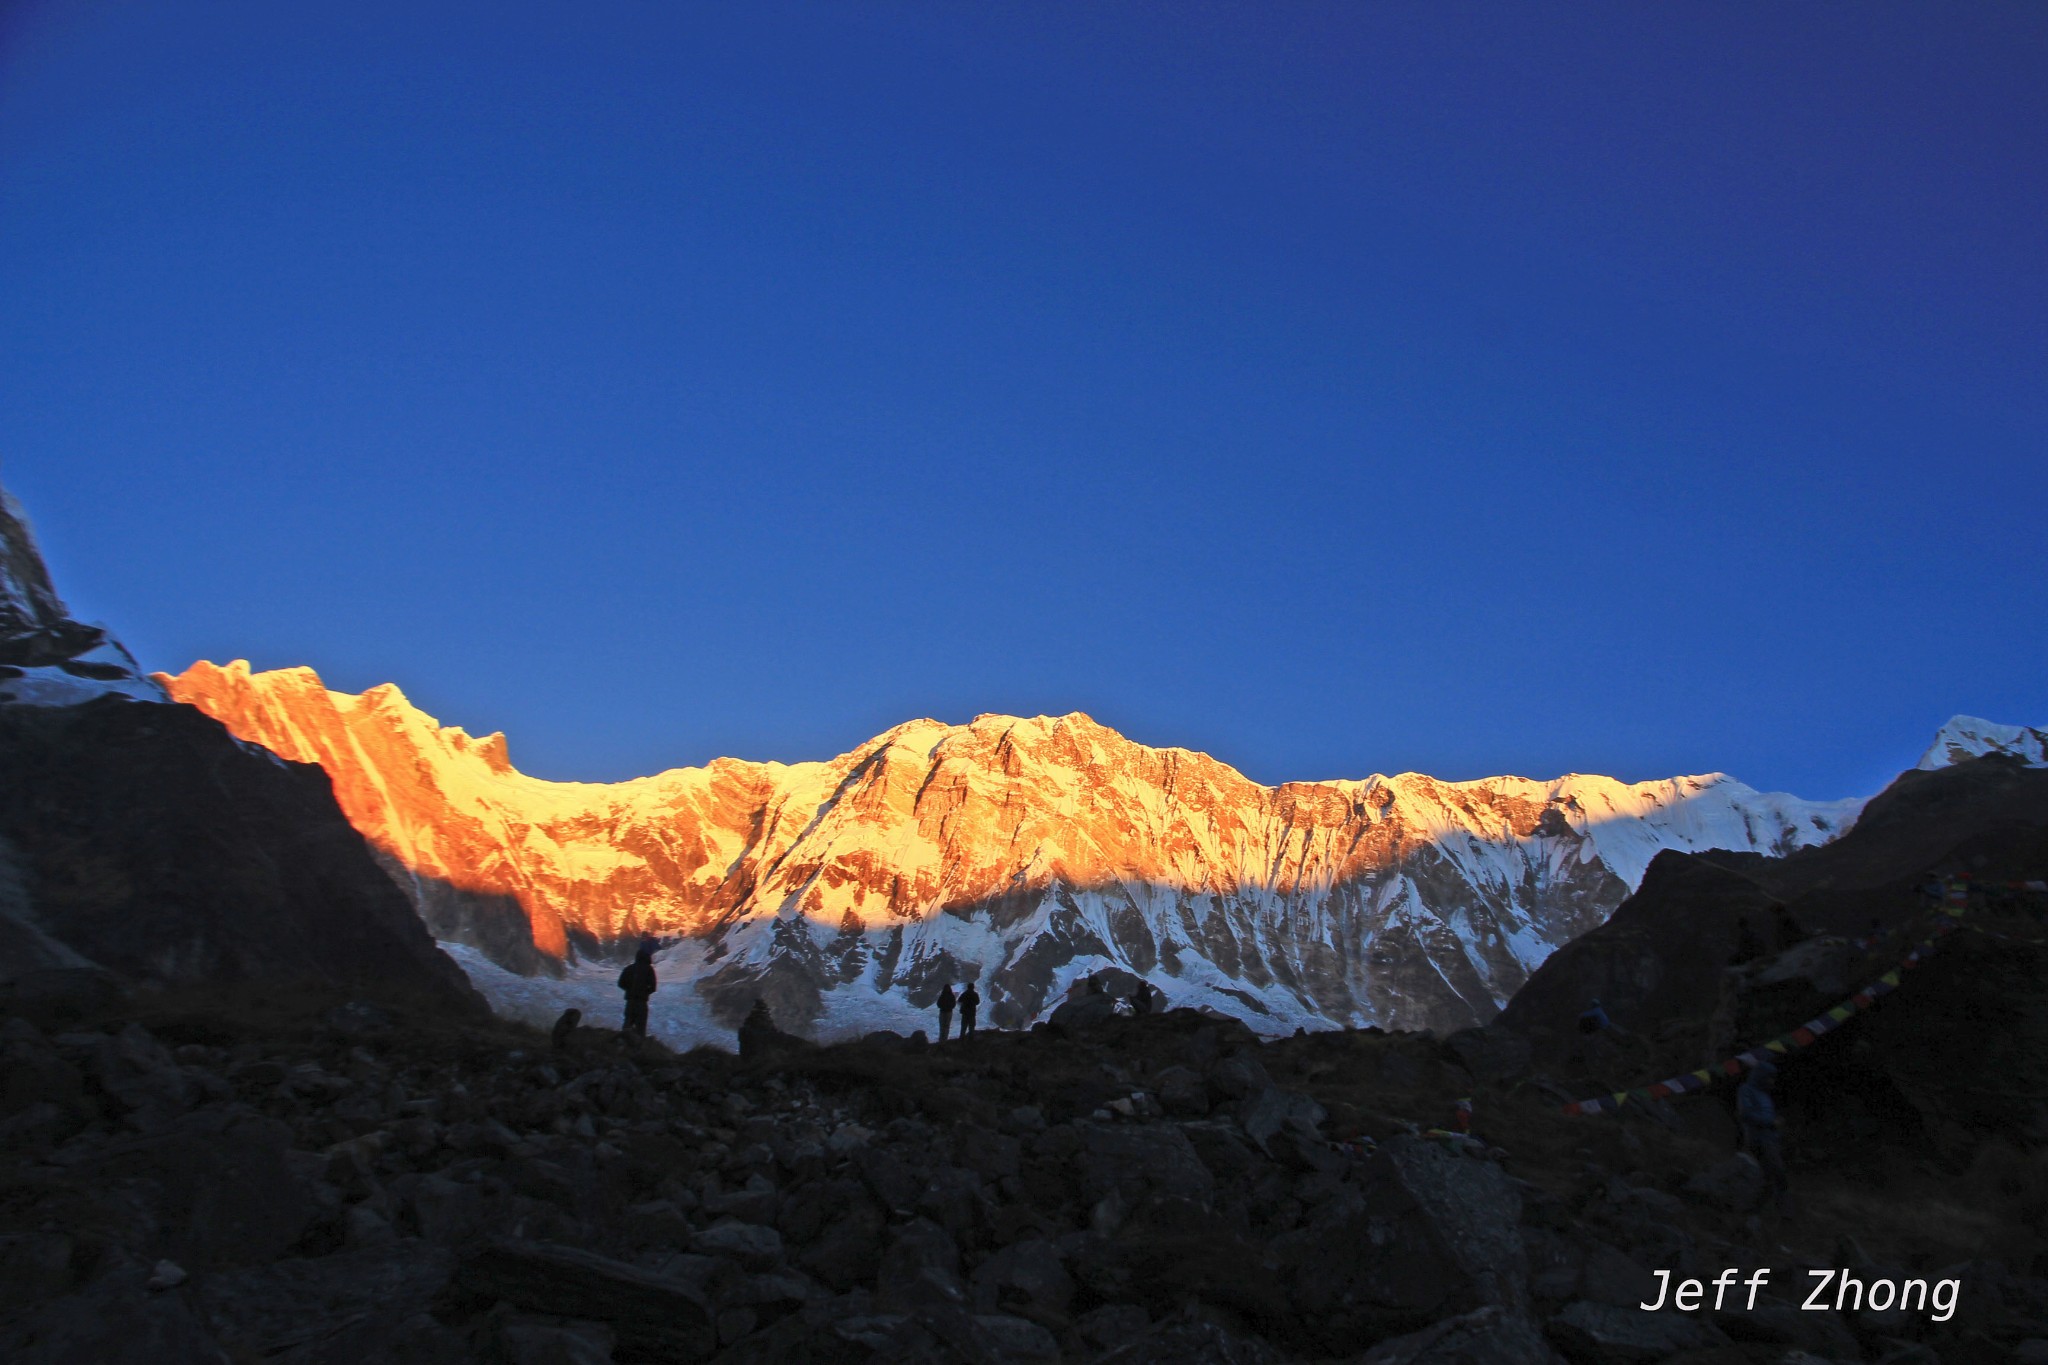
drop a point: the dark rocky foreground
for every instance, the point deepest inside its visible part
(299, 1179)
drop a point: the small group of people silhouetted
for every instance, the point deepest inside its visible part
(967, 1001)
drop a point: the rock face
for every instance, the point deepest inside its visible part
(1024, 853)
(157, 846)
(1967, 737)
(46, 658)
(140, 842)
(1664, 955)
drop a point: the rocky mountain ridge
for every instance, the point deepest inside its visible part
(1968, 737)
(1024, 852)
(46, 657)
(141, 844)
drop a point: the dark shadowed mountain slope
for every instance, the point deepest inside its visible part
(154, 844)
(141, 838)
(1660, 960)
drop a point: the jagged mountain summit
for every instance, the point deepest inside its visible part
(46, 657)
(1967, 737)
(1024, 853)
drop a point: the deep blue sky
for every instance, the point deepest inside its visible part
(1335, 388)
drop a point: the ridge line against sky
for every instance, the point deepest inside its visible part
(1463, 390)
(507, 754)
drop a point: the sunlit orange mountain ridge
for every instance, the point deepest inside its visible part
(1020, 851)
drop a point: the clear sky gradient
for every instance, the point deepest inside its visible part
(1335, 388)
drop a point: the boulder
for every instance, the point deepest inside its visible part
(1607, 1276)
(849, 1330)
(1437, 1235)
(1485, 1336)
(1113, 1325)
(1778, 1323)
(1017, 1341)
(1166, 1250)
(1137, 1160)
(1083, 1011)
(1601, 1334)
(1270, 1110)
(219, 1183)
(655, 1318)
(1236, 1077)
(522, 1341)
(1555, 1264)
(1736, 1185)
(1023, 1275)
(889, 1178)
(114, 1321)
(953, 1198)
(751, 1244)
(920, 1269)
(1182, 1092)
(845, 1254)
(363, 1303)
(1184, 1341)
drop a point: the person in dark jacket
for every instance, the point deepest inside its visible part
(637, 981)
(969, 999)
(946, 999)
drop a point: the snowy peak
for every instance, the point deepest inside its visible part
(1967, 737)
(46, 658)
(28, 602)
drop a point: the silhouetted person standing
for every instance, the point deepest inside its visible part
(946, 1012)
(637, 981)
(969, 1000)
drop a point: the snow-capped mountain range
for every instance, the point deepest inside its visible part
(1022, 852)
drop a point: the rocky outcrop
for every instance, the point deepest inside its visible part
(141, 844)
(1023, 853)
(155, 845)
(46, 657)
(1663, 958)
